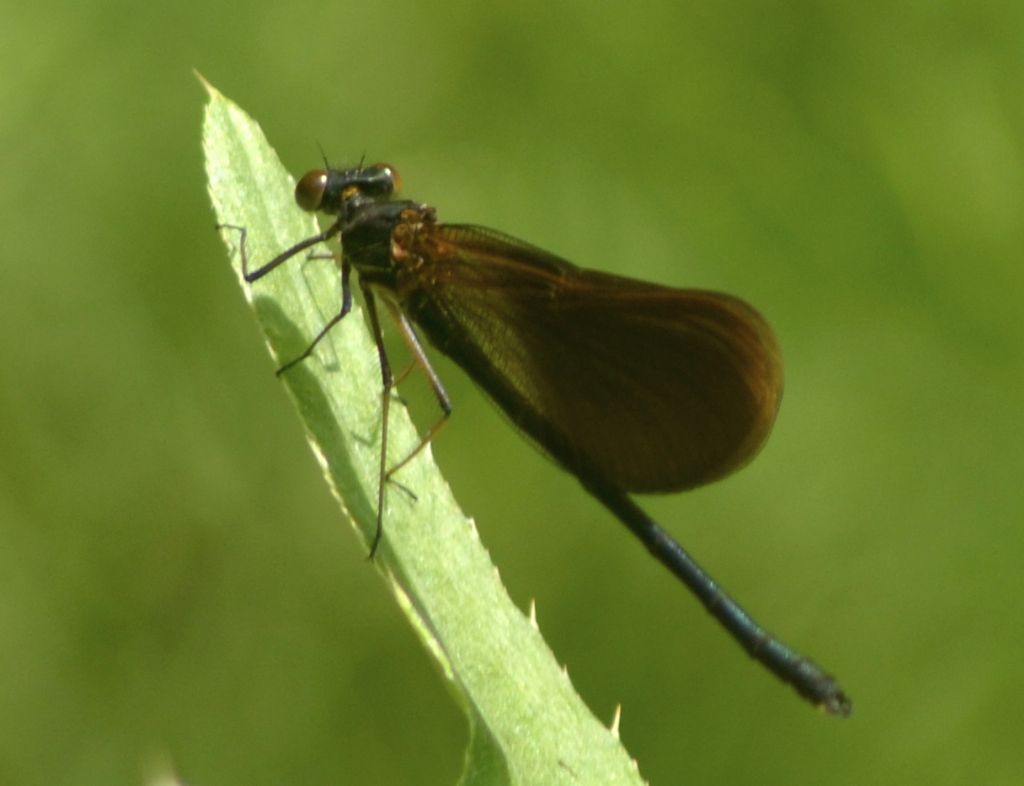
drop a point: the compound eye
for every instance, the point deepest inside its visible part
(309, 191)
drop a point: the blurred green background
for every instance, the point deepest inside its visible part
(177, 588)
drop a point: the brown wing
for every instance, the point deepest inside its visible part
(647, 388)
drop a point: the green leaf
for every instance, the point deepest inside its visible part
(527, 724)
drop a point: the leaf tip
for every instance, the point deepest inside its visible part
(210, 89)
